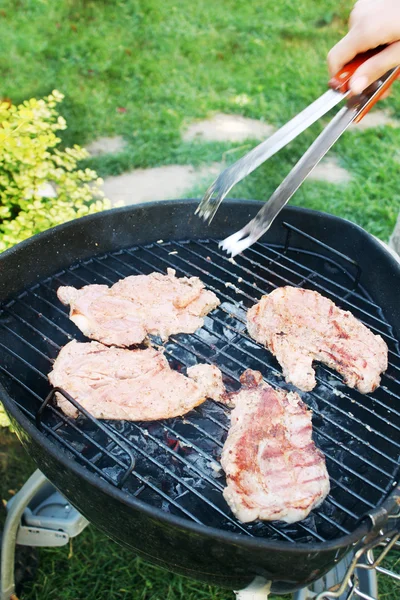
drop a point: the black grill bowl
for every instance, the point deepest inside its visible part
(155, 487)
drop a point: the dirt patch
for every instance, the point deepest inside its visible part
(160, 183)
(106, 145)
(227, 128)
(329, 170)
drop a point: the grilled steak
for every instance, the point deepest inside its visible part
(299, 326)
(139, 305)
(273, 469)
(133, 385)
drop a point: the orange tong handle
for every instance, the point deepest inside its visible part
(378, 96)
(340, 81)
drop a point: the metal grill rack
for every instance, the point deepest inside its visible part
(174, 465)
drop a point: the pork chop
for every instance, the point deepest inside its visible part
(137, 306)
(273, 469)
(299, 326)
(132, 385)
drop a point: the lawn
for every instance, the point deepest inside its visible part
(143, 70)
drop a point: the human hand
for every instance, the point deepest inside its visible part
(372, 23)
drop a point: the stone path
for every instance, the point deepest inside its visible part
(172, 181)
(159, 183)
(329, 170)
(106, 145)
(375, 118)
(228, 128)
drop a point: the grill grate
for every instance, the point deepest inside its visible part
(174, 464)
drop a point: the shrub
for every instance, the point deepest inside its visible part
(40, 184)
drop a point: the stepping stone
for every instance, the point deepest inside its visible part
(375, 118)
(227, 128)
(160, 183)
(106, 145)
(329, 170)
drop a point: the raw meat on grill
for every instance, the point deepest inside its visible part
(299, 326)
(136, 306)
(133, 385)
(273, 469)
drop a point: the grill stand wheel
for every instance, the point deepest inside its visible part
(38, 515)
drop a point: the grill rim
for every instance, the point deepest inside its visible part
(255, 543)
(11, 282)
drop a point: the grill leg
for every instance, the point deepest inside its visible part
(258, 590)
(13, 520)
(367, 583)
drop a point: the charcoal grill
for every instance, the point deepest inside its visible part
(157, 487)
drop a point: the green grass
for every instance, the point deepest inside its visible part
(144, 69)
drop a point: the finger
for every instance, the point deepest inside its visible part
(347, 48)
(368, 30)
(352, 44)
(375, 67)
(341, 53)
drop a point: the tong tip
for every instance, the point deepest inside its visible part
(236, 243)
(207, 207)
(204, 213)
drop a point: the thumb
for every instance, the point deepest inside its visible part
(375, 67)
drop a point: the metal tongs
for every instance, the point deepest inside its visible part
(356, 108)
